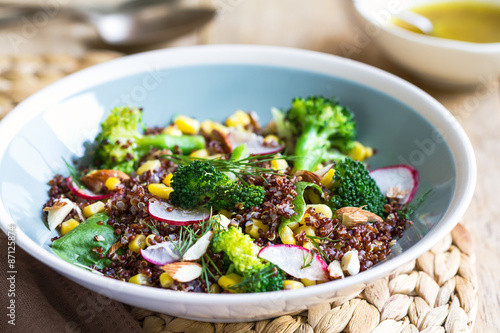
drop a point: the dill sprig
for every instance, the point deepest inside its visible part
(305, 262)
(187, 238)
(74, 174)
(314, 240)
(247, 166)
(409, 209)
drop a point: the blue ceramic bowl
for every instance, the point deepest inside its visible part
(403, 123)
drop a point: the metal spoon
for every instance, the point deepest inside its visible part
(135, 23)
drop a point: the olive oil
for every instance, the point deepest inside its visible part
(469, 21)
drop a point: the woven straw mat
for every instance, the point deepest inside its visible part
(436, 293)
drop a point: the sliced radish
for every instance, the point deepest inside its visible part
(404, 177)
(163, 211)
(198, 249)
(161, 254)
(84, 193)
(293, 259)
(254, 142)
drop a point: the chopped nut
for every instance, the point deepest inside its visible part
(96, 179)
(335, 270)
(396, 193)
(223, 139)
(350, 262)
(183, 271)
(57, 204)
(308, 176)
(354, 216)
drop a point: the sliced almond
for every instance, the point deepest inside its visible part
(335, 270)
(308, 176)
(198, 249)
(350, 262)
(58, 212)
(57, 205)
(321, 172)
(95, 180)
(354, 216)
(183, 271)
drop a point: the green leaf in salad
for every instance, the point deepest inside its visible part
(299, 203)
(77, 246)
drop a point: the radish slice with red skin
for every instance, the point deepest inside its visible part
(254, 142)
(291, 259)
(403, 176)
(84, 193)
(161, 254)
(163, 211)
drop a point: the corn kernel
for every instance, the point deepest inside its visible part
(111, 183)
(150, 239)
(271, 138)
(286, 236)
(168, 179)
(187, 125)
(307, 282)
(140, 279)
(291, 284)
(252, 230)
(92, 209)
(214, 289)
(202, 153)
(321, 208)
(238, 119)
(68, 225)
(226, 281)
(138, 243)
(226, 213)
(310, 231)
(160, 190)
(172, 130)
(360, 152)
(149, 166)
(207, 126)
(279, 164)
(327, 180)
(294, 225)
(166, 280)
(308, 245)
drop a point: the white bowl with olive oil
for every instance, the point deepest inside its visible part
(463, 49)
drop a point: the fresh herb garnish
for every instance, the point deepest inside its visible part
(246, 166)
(74, 174)
(305, 262)
(314, 241)
(409, 209)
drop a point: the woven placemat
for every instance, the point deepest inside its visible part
(435, 293)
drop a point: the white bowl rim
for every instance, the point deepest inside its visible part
(255, 55)
(469, 47)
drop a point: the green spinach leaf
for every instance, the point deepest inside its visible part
(76, 246)
(299, 203)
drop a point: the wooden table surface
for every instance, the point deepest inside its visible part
(330, 26)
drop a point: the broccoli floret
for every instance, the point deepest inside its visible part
(258, 275)
(240, 248)
(120, 145)
(324, 131)
(199, 183)
(354, 187)
(269, 278)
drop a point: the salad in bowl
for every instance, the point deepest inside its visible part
(232, 207)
